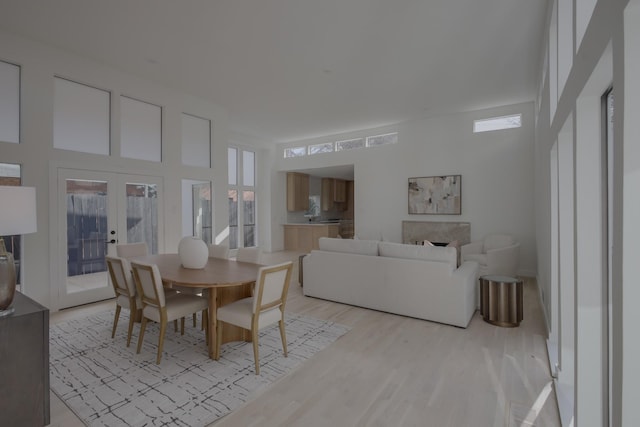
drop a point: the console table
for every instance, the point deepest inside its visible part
(24, 364)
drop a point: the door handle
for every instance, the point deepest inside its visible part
(111, 241)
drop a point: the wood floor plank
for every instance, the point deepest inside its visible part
(394, 370)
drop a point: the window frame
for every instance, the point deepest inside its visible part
(241, 188)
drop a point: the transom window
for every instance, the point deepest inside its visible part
(342, 145)
(497, 123)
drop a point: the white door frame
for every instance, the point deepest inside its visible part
(116, 221)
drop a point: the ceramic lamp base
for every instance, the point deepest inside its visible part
(7, 283)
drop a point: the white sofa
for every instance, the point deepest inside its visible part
(417, 281)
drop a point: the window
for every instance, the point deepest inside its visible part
(343, 145)
(197, 212)
(81, 117)
(10, 175)
(327, 147)
(497, 123)
(295, 152)
(196, 141)
(140, 130)
(389, 138)
(9, 102)
(350, 144)
(242, 216)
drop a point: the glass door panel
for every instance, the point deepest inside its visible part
(249, 217)
(96, 211)
(87, 234)
(202, 214)
(142, 215)
(233, 219)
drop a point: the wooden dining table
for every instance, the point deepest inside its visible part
(224, 280)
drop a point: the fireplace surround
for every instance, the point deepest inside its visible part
(437, 232)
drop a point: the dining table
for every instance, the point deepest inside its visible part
(222, 281)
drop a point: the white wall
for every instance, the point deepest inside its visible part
(39, 160)
(496, 168)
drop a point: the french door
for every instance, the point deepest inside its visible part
(96, 211)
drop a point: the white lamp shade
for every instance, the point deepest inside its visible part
(193, 252)
(18, 210)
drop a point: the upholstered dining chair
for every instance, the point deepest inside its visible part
(252, 255)
(129, 250)
(158, 308)
(265, 308)
(125, 289)
(218, 251)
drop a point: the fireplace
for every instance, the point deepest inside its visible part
(439, 233)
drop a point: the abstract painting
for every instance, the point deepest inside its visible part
(436, 195)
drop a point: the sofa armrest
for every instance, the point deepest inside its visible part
(470, 248)
(468, 271)
(466, 276)
(504, 260)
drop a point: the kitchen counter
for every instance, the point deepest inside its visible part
(304, 236)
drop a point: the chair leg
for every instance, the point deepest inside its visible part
(284, 337)
(115, 321)
(163, 329)
(254, 338)
(195, 321)
(216, 353)
(143, 325)
(205, 325)
(129, 332)
(175, 325)
(182, 326)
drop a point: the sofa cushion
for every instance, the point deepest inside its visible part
(350, 246)
(425, 253)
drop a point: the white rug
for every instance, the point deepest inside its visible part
(107, 384)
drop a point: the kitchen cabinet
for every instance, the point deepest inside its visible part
(304, 237)
(297, 191)
(333, 194)
(339, 190)
(326, 196)
(349, 211)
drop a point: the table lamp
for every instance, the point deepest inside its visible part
(17, 216)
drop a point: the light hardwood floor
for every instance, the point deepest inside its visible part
(396, 371)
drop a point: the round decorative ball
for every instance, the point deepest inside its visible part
(193, 252)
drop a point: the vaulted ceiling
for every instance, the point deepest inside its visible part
(294, 69)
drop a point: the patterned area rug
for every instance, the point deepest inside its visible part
(107, 384)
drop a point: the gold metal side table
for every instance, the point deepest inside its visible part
(501, 300)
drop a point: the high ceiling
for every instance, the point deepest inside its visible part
(293, 69)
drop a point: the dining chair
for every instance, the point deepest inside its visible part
(125, 289)
(158, 308)
(265, 308)
(252, 255)
(129, 250)
(218, 251)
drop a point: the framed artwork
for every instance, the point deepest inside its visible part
(435, 195)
